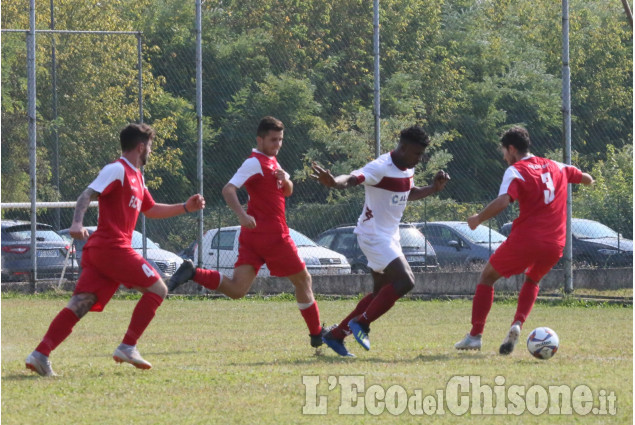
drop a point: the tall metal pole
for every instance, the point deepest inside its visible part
(31, 93)
(377, 84)
(144, 242)
(629, 14)
(566, 112)
(199, 123)
(55, 134)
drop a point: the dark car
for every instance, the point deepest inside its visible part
(165, 262)
(595, 244)
(456, 244)
(418, 252)
(51, 249)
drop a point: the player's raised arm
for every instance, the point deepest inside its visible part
(327, 179)
(438, 184)
(194, 203)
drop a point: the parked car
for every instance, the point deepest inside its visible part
(16, 251)
(456, 244)
(221, 252)
(594, 243)
(165, 262)
(418, 252)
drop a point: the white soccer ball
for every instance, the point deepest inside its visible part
(543, 343)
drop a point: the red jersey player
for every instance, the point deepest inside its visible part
(264, 236)
(537, 238)
(108, 259)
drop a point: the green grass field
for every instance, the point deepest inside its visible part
(222, 361)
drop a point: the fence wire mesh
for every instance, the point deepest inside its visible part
(464, 70)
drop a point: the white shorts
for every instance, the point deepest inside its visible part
(380, 251)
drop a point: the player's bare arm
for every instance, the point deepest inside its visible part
(77, 229)
(245, 220)
(438, 184)
(491, 210)
(284, 182)
(194, 203)
(327, 179)
(587, 179)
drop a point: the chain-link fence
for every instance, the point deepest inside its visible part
(464, 70)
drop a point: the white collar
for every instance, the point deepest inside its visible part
(129, 163)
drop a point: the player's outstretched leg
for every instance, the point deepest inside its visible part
(511, 339)
(184, 273)
(130, 354)
(40, 364)
(360, 332)
(469, 342)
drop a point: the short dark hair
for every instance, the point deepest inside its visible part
(517, 137)
(414, 134)
(267, 124)
(134, 134)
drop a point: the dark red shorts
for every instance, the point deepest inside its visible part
(104, 269)
(516, 256)
(277, 251)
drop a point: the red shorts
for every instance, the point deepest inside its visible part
(104, 269)
(516, 256)
(278, 251)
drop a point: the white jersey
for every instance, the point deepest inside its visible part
(386, 193)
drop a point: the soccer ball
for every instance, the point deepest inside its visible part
(543, 343)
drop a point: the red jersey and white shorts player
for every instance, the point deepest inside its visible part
(269, 242)
(386, 189)
(537, 238)
(108, 259)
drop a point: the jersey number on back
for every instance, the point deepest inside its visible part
(550, 193)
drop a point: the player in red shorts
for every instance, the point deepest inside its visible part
(108, 259)
(537, 238)
(264, 236)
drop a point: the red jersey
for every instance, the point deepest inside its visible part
(266, 201)
(540, 187)
(123, 195)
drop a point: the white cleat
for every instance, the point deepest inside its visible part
(510, 340)
(469, 343)
(40, 364)
(130, 354)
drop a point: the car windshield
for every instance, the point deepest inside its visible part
(137, 241)
(480, 235)
(300, 239)
(588, 229)
(410, 237)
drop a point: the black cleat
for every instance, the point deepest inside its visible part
(184, 273)
(316, 340)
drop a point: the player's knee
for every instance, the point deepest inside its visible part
(159, 288)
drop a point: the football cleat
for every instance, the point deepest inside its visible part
(336, 345)
(469, 343)
(184, 273)
(40, 364)
(510, 340)
(129, 354)
(360, 332)
(316, 340)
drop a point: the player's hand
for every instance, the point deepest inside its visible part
(195, 203)
(247, 221)
(323, 176)
(440, 180)
(281, 175)
(78, 232)
(473, 221)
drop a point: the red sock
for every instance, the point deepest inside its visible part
(141, 317)
(526, 300)
(381, 303)
(311, 316)
(342, 329)
(59, 329)
(207, 278)
(481, 305)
